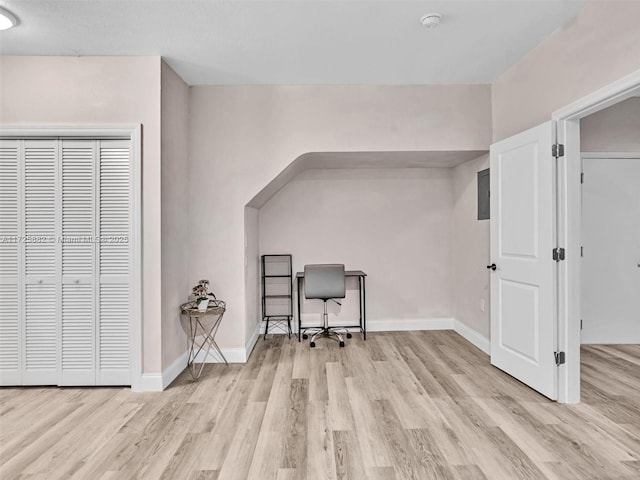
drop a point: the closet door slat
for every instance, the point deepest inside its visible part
(10, 338)
(41, 270)
(115, 261)
(78, 336)
(78, 190)
(115, 206)
(40, 209)
(41, 349)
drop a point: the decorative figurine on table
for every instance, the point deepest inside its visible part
(203, 295)
(200, 318)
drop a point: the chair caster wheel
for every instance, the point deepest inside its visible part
(305, 336)
(348, 335)
(312, 344)
(342, 344)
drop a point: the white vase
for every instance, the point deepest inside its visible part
(202, 306)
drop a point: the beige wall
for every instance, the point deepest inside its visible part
(470, 249)
(614, 129)
(242, 137)
(99, 90)
(175, 211)
(600, 46)
(394, 224)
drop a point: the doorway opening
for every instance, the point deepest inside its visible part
(599, 125)
(610, 251)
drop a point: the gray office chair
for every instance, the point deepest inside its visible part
(325, 282)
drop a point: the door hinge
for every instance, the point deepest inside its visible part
(582, 177)
(559, 356)
(557, 150)
(558, 254)
(582, 251)
(580, 324)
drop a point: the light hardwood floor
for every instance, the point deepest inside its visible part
(410, 405)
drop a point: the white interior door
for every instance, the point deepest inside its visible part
(114, 262)
(611, 259)
(78, 345)
(42, 263)
(10, 265)
(523, 312)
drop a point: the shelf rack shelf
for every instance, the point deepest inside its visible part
(277, 292)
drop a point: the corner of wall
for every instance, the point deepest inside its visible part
(473, 336)
(471, 254)
(251, 273)
(174, 206)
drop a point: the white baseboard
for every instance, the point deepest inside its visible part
(170, 373)
(151, 382)
(233, 355)
(251, 343)
(472, 336)
(389, 325)
(396, 325)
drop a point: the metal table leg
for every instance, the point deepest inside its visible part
(208, 344)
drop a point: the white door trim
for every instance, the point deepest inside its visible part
(611, 155)
(134, 133)
(569, 227)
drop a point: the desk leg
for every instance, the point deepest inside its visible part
(363, 313)
(299, 320)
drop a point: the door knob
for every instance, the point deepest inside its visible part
(492, 266)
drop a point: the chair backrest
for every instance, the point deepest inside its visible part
(324, 281)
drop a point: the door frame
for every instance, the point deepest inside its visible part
(133, 132)
(569, 223)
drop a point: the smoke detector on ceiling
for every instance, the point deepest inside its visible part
(431, 20)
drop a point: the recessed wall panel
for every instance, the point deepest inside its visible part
(520, 300)
(519, 183)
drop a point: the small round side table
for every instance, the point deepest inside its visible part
(202, 324)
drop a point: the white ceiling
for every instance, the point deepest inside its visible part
(295, 41)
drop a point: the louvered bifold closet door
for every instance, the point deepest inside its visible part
(78, 336)
(115, 263)
(10, 265)
(41, 263)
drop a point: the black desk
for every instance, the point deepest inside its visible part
(362, 300)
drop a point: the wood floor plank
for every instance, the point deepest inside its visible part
(367, 427)
(402, 405)
(320, 449)
(469, 472)
(339, 414)
(294, 439)
(380, 473)
(241, 450)
(348, 459)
